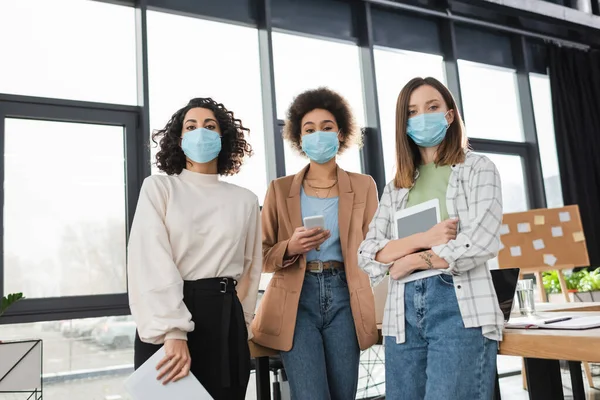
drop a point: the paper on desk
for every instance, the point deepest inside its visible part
(143, 385)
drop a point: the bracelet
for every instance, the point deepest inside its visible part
(426, 256)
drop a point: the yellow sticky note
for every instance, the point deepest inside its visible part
(539, 220)
(578, 236)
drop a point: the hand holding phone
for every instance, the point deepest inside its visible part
(309, 237)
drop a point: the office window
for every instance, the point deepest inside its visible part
(303, 63)
(514, 191)
(542, 107)
(394, 68)
(82, 358)
(64, 208)
(70, 49)
(191, 57)
(490, 102)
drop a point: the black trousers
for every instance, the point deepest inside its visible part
(219, 343)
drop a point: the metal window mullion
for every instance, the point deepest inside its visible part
(449, 49)
(533, 165)
(372, 151)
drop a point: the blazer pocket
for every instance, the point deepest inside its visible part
(272, 309)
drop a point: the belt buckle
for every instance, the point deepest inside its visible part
(320, 270)
(224, 282)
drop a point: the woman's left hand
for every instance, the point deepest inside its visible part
(400, 268)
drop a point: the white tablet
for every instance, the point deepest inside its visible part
(416, 219)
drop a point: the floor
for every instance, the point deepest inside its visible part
(111, 388)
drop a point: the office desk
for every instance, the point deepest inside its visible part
(541, 348)
(565, 307)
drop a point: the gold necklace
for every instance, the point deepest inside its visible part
(316, 189)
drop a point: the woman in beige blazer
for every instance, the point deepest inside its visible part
(318, 308)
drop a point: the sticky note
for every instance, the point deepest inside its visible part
(504, 229)
(557, 231)
(538, 244)
(564, 216)
(515, 251)
(501, 247)
(549, 259)
(524, 227)
(578, 236)
(539, 220)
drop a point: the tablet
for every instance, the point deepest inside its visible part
(416, 219)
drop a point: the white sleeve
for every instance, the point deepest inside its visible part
(155, 284)
(248, 284)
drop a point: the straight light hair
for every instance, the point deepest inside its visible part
(408, 158)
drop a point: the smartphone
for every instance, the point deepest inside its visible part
(316, 221)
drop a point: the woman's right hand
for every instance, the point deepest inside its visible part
(304, 240)
(441, 233)
(176, 363)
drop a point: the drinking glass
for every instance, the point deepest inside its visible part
(525, 297)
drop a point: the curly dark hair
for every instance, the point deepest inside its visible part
(326, 99)
(234, 147)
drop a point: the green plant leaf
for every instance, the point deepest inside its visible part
(9, 300)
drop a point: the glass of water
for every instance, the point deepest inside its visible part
(525, 297)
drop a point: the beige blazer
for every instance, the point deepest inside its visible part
(275, 320)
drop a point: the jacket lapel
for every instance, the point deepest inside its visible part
(346, 203)
(293, 201)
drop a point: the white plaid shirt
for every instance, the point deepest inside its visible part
(474, 195)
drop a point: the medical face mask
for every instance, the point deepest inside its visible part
(201, 145)
(427, 130)
(321, 146)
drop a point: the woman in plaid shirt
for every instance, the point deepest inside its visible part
(441, 330)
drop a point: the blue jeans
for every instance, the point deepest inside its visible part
(440, 359)
(323, 362)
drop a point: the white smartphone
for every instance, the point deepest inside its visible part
(316, 221)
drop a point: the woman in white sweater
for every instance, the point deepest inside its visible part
(194, 239)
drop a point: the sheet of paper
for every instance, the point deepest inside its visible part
(515, 251)
(564, 216)
(557, 231)
(538, 244)
(524, 227)
(504, 229)
(143, 385)
(578, 236)
(549, 259)
(539, 220)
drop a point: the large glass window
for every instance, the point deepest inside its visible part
(303, 63)
(491, 104)
(71, 49)
(514, 191)
(544, 122)
(191, 57)
(394, 68)
(64, 208)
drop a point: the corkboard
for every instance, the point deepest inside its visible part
(569, 249)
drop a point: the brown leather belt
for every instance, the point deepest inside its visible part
(320, 266)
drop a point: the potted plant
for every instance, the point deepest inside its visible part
(583, 286)
(9, 300)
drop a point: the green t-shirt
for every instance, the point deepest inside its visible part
(431, 184)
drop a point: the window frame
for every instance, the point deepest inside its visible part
(44, 109)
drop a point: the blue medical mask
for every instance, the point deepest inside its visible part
(321, 146)
(427, 130)
(201, 145)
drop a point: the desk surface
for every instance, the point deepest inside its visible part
(561, 307)
(580, 345)
(583, 345)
